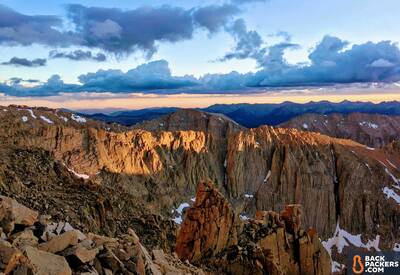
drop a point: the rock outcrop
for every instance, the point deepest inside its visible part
(63, 250)
(271, 243)
(373, 130)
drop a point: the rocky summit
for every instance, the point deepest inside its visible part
(202, 193)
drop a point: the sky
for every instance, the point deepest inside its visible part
(133, 54)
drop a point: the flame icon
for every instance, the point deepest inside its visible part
(357, 261)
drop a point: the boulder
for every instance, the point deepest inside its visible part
(61, 242)
(9, 258)
(45, 263)
(24, 238)
(11, 212)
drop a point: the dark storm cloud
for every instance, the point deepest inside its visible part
(78, 55)
(113, 30)
(214, 17)
(20, 29)
(122, 32)
(16, 61)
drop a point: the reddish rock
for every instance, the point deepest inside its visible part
(209, 226)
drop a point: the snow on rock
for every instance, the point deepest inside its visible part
(390, 193)
(396, 247)
(248, 196)
(369, 124)
(78, 118)
(45, 119)
(391, 164)
(267, 176)
(336, 267)
(24, 118)
(305, 125)
(341, 238)
(31, 112)
(370, 148)
(81, 176)
(179, 210)
(243, 217)
(178, 220)
(396, 180)
(64, 118)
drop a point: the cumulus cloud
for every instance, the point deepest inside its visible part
(249, 44)
(154, 75)
(246, 1)
(78, 55)
(333, 61)
(16, 61)
(54, 85)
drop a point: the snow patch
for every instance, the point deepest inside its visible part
(341, 238)
(370, 148)
(305, 125)
(395, 180)
(248, 196)
(78, 175)
(243, 217)
(369, 124)
(78, 118)
(45, 119)
(32, 114)
(390, 193)
(267, 176)
(179, 210)
(64, 118)
(391, 164)
(396, 247)
(24, 118)
(336, 267)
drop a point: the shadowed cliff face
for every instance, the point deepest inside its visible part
(160, 163)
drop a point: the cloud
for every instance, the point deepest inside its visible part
(382, 63)
(20, 29)
(125, 31)
(53, 86)
(249, 44)
(113, 30)
(16, 61)
(246, 1)
(154, 75)
(78, 55)
(332, 62)
(214, 17)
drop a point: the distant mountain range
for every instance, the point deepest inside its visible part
(254, 115)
